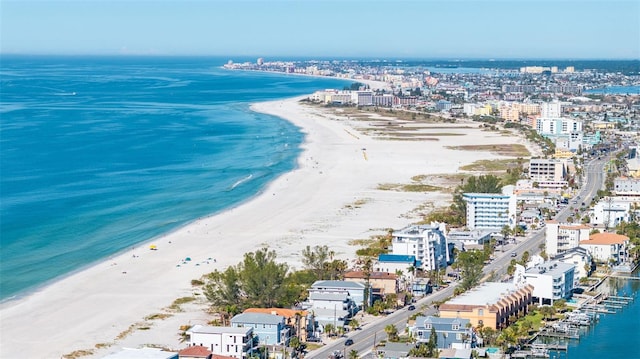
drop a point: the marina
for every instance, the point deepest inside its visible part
(595, 316)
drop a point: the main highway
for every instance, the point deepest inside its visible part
(364, 339)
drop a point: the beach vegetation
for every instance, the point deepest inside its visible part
(320, 261)
(489, 165)
(197, 282)
(376, 245)
(159, 316)
(78, 354)
(412, 187)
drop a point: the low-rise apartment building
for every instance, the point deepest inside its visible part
(551, 281)
(561, 237)
(489, 304)
(608, 247)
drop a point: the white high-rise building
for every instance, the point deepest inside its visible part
(426, 242)
(551, 110)
(491, 210)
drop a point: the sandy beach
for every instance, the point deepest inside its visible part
(333, 197)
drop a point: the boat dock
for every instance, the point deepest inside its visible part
(539, 351)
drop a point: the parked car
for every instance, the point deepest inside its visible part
(348, 342)
(514, 254)
(411, 307)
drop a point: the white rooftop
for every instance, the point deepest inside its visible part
(487, 293)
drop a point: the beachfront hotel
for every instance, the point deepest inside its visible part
(491, 210)
(490, 304)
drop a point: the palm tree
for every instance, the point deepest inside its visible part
(392, 332)
(353, 324)
(506, 338)
(328, 329)
(353, 354)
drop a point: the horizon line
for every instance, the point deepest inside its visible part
(307, 57)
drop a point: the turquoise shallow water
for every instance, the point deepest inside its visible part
(613, 335)
(98, 153)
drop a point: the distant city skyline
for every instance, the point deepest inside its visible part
(565, 29)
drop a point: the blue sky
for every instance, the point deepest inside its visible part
(569, 29)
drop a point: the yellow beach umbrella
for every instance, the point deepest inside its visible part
(153, 247)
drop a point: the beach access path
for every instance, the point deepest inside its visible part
(332, 198)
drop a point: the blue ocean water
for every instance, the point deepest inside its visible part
(99, 153)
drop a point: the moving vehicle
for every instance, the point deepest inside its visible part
(348, 342)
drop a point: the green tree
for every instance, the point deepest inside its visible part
(329, 329)
(263, 278)
(315, 259)
(488, 335)
(470, 263)
(432, 344)
(353, 354)
(507, 338)
(353, 324)
(392, 332)
(223, 289)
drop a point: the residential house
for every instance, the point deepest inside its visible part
(196, 352)
(269, 329)
(580, 258)
(334, 301)
(456, 353)
(382, 283)
(491, 210)
(237, 342)
(490, 304)
(299, 322)
(608, 247)
(391, 350)
(397, 263)
(427, 243)
(451, 332)
(421, 287)
(470, 239)
(611, 211)
(561, 237)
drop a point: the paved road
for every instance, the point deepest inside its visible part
(365, 339)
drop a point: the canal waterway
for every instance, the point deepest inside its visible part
(613, 335)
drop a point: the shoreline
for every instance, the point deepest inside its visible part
(310, 205)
